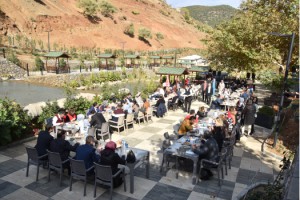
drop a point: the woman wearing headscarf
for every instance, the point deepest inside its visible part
(249, 116)
(111, 158)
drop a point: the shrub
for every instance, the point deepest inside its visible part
(13, 58)
(90, 7)
(48, 111)
(62, 63)
(39, 63)
(14, 121)
(144, 34)
(159, 36)
(135, 12)
(267, 111)
(80, 105)
(129, 30)
(107, 9)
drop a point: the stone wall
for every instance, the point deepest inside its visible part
(10, 70)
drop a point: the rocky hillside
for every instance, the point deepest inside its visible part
(211, 15)
(69, 27)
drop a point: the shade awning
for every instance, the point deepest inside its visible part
(199, 69)
(168, 57)
(56, 54)
(172, 71)
(106, 55)
(155, 57)
(132, 56)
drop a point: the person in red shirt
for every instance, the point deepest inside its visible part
(71, 116)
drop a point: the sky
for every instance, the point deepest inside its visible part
(182, 3)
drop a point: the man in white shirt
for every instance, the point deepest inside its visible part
(58, 119)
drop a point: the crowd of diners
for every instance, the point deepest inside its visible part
(180, 92)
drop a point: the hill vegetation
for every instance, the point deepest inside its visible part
(211, 15)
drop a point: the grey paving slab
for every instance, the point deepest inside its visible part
(248, 177)
(106, 195)
(133, 141)
(150, 129)
(7, 188)
(236, 161)
(154, 172)
(14, 151)
(166, 121)
(212, 188)
(166, 192)
(46, 188)
(10, 166)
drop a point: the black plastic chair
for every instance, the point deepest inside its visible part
(218, 166)
(79, 171)
(55, 163)
(34, 159)
(104, 176)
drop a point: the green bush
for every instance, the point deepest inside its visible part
(39, 63)
(107, 9)
(90, 7)
(62, 63)
(266, 110)
(159, 36)
(14, 121)
(13, 58)
(48, 111)
(135, 12)
(144, 34)
(80, 105)
(129, 30)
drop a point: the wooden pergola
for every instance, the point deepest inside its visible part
(199, 69)
(168, 60)
(154, 63)
(132, 59)
(57, 55)
(172, 71)
(107, 66)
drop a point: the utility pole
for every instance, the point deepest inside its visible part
(49, 30)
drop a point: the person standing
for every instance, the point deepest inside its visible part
(249, 117)
(188, 99)
(221, 87)
(208, 92)
(213, 86)
(203, 89)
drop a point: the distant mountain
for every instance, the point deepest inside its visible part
(211, 15)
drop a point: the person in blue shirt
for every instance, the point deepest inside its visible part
(87, 152)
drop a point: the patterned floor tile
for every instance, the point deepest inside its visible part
(7, 188)
(48, 188)
(150, 129)
(10, 166)
(166, 121)
(166, 192)
(106, 195)
(14, 152)
(24, 193)
(248, 177)
(4, 158)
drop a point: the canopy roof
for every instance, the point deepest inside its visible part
(106, 55)
(192, 57)
(167, 57)
(199, 69)
(56, 54)
(155, 57)
(172, 71)
(132, 56)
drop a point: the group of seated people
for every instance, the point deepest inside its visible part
(86, 152)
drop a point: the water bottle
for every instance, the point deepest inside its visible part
(123, 147)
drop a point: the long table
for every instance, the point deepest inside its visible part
(175, 150)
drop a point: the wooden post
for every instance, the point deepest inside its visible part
(27, 69)
(3, 53)
(56, 65)
(46, 64)
(106, 63)
(90, 68)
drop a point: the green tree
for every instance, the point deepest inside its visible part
(13, 58)
(129, 30)
(39, 63)
(19, 40)
(90, 7)
(243, 43)
(107, 9)
(159, 36)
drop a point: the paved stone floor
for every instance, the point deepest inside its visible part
(248, 166)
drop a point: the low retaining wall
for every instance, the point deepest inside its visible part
(10, 70)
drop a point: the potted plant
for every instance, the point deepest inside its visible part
(265, 117)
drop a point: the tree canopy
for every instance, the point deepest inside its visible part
(245, 42)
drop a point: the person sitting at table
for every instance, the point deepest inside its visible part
(87, 152)
(192, 113)
(208, 149)
(119, 111)
(135, 109)
(240, 104)
(58, 119)
(218, 133)
(217, 103)
(201, 113)
(146, 104)
(111, 158)
(231, 115)
(71, 116)
(43, 141)
(186, 126)
(245, 95)
(161, 107)
(63, 147)
(94, 107)
(138, 99)
(97, 120)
